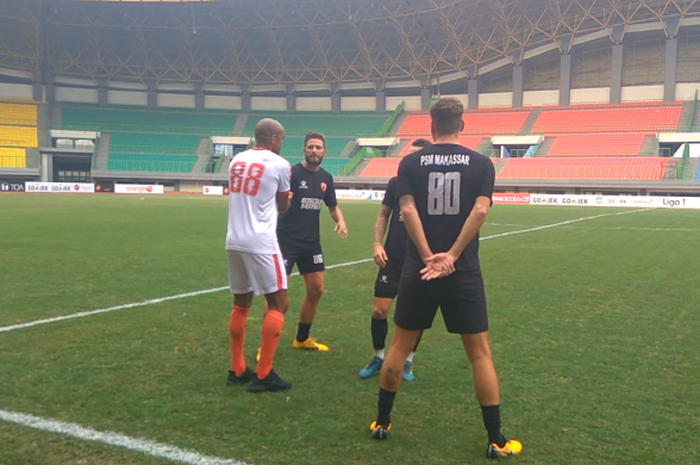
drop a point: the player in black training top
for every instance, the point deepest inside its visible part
(298, 231)
(445, 194)
(390, 260)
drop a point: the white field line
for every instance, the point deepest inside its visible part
(154, 449)
(144, 303)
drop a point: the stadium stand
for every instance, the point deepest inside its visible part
(587, 145)
(328, 124)
(381, 168)
(18, 136)
(12, 158)
(118, 118)
(136, 142)
(638, 117)
(630, 168)
(17, 114)
(479, 122)
(170, 163)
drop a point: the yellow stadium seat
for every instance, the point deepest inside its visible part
(21, 115)
(12, 158)
(18, 136)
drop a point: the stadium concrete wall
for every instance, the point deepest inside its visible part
(686, 91)
(412, 103)
(126, 97)
(540, 97)
(175, 100)
(496, 99)
(313, 104)
(358, 103)
(592, 95)
(15, 90)
(268, 103)
(642, 93)
(72, 94)
(222, 102)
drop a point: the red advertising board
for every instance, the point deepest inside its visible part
(511, 198)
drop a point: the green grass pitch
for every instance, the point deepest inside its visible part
(594, 329)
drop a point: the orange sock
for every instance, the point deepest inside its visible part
(270, 334)
(236, 328)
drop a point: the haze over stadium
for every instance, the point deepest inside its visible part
(577, 102)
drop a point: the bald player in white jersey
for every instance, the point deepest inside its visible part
(258, 190)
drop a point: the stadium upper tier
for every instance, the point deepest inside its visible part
(169, 163)
(478, 122)
(622, 168)
(17, 114)
(617, 118)
(596, 144)
(330, 124)
(119, 118)
(136, 142)
(627, 117)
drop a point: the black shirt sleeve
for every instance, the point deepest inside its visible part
(390, 199)
(329, 197)
(404, 185)
(487, 180)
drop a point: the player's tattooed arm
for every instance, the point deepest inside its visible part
(380, 224)
(414, 227)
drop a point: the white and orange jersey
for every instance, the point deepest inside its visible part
(255, 178)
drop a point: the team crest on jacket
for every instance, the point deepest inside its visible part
(323, 186)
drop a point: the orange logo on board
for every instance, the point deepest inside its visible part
(323, 186)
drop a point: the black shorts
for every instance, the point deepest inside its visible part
(308, 258)
(386, 285)
(460, 297)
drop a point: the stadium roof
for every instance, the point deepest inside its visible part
(305, 42)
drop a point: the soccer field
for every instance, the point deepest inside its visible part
(594, 327)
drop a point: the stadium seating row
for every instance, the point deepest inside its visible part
(639, 168)
(170, 163)
(592, 145)
(328, 124)
(17, 115)
(139, 142)
(118, 118)
(18, 136)
(12, 158)
(642, 117)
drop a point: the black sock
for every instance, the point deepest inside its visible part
(384, 405)
(492, 422)
(379, 330)
(303, 332)
(415, 347)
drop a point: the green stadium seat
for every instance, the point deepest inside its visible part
(137, 142)
(151, 162)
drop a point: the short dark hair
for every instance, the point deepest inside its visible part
(421, 143)
(314, 135)
(446, 115)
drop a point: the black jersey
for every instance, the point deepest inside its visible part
(445, 180)
(299, 226)
(397, 238)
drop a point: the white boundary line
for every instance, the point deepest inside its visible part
(154, 449)
(143, 303)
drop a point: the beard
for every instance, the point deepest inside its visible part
(313, 162)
